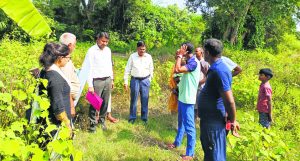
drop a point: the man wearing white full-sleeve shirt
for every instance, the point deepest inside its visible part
(100, 78)
(140, 68)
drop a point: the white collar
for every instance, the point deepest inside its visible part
(98, 48)
(145, 55)
(58, 70)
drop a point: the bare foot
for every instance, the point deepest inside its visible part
(112, 119)
(171, 146)
(185, 157)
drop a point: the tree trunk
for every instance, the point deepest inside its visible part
(226, 33)
(234, 33)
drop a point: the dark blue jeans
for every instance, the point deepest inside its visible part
(137, 87)
(213, 140)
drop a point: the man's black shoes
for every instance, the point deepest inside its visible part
(103, 126)
(131, 121)
(145, 122)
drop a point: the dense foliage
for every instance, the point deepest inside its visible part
(248, 23)
(128, 21)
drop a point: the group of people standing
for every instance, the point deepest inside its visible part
(213, 102)
(204, 79)
(64, 86)
(101, 80)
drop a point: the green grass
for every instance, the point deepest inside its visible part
(125, 141)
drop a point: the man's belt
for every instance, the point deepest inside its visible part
(102, 78)
(140, 78)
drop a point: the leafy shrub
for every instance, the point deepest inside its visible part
(20, 140)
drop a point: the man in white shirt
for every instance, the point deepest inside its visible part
(69, 39)
(204, 66)
(100, 78)
(140, 68)
(236, 69)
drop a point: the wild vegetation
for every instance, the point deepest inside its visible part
(273, 43)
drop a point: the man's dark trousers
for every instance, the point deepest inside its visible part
(103, 88)
(213, 140)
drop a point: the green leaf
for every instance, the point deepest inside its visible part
(2, 107)
(27, 107)
(38, 154)
(17, 126)
(11, 147)
(37, 113)
(10, 109)
(44, 114)
(268, 138)
(78, 156)
(44, 82)
(26, 16)
(10, 134)
(44, 103)
(50, 128)
(1, 84)
(56, 146)
(20, 95)
(6, 97)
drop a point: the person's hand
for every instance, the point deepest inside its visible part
(126, 87)
(182, 51)
(91, 89)
(73, 111)
(70, 130)
(270, 117)
(67, 124)
(174, 91)
(112, 85)
(177, 52)
(235, 126)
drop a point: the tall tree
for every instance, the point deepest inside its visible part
(247, 22)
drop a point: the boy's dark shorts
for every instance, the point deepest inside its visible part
(264, 119)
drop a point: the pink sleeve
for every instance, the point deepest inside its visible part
(268, 92)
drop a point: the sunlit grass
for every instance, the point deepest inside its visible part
(124, 141)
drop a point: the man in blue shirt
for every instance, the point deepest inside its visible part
(215, 101)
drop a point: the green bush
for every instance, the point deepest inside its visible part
(20, 140)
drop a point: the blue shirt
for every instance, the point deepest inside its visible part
(211, 107)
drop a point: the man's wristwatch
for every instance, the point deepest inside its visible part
(179, 56)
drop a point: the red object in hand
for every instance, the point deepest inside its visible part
(229, 126)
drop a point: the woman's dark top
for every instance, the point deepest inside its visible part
(58, 93)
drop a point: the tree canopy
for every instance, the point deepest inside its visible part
(249, 23)
(245, 23)
(127, 20)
